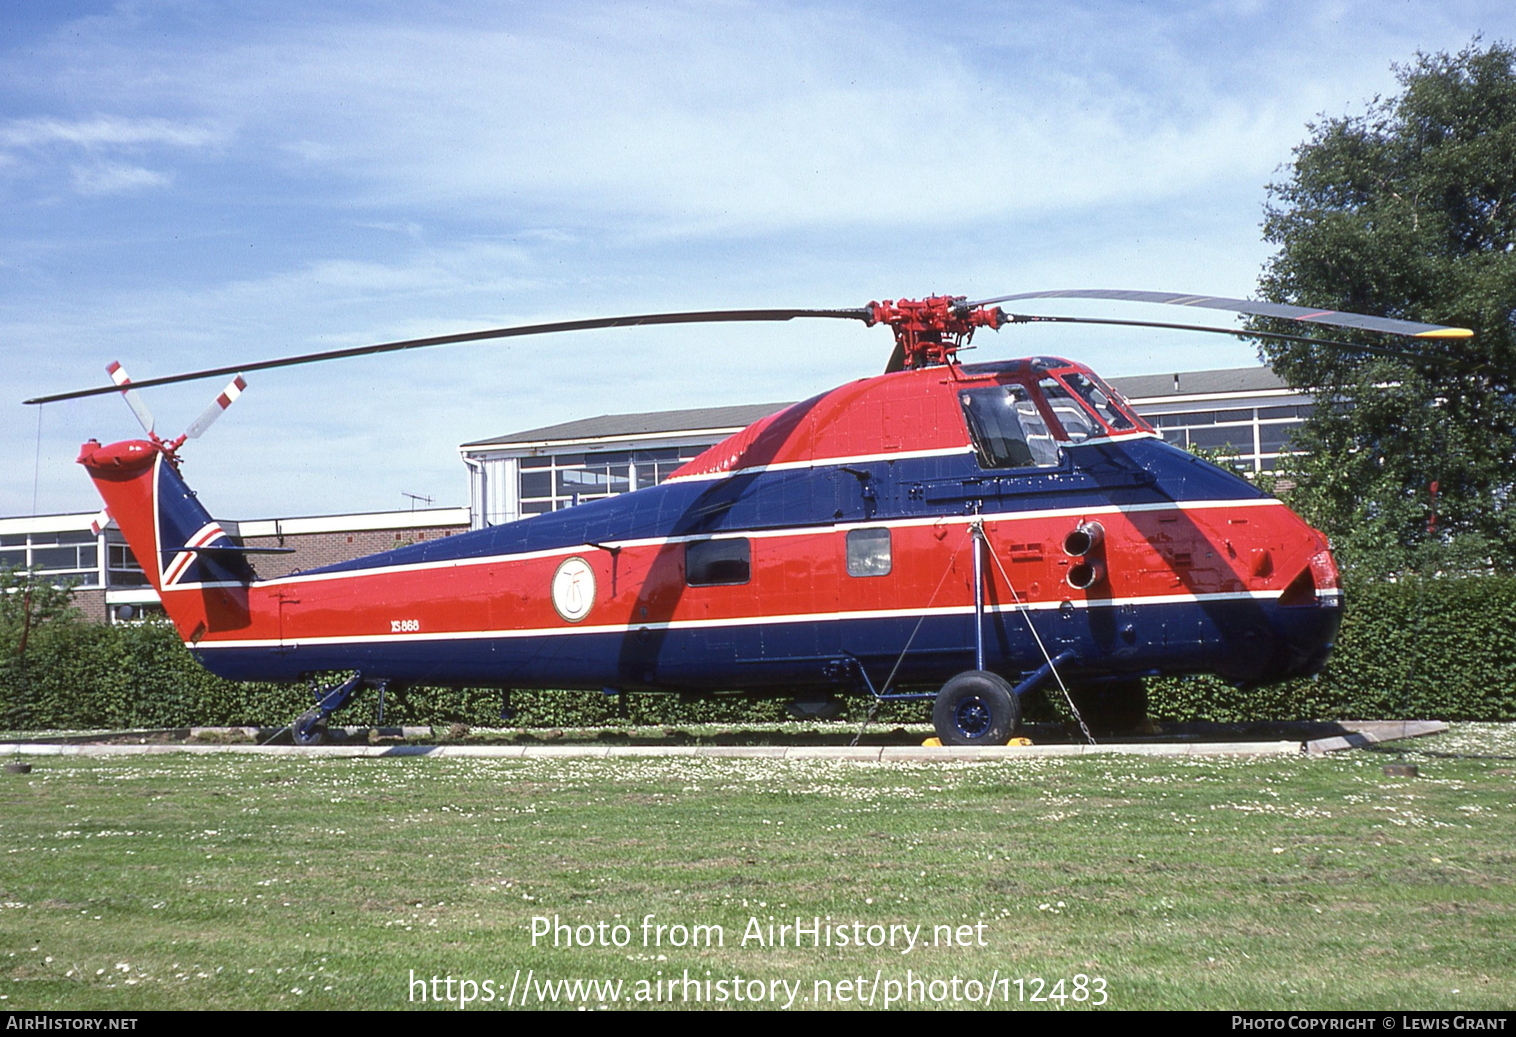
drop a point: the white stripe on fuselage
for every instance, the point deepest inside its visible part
(736, 621)
(760, 534)
(823, 462)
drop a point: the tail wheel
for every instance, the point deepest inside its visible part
(976, 708)
(309, 728)
(1112, 708)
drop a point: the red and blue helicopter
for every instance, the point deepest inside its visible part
(964, 533)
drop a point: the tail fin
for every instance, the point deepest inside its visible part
(199, 573)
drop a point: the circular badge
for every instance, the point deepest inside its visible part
(574, 589)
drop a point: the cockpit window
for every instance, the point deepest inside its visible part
(1100, 401)
(1007, 429)
(1076, 421)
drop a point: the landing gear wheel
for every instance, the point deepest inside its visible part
(309, 728)
(976, 708)
(1112, 708)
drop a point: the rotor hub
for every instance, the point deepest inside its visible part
(932, 330)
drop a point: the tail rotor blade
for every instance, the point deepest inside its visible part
(133, 400)
(217, 408)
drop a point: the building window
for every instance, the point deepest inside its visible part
(552, 482)
(712, 563)
(868, 552)
(64, 557)
(1258, 435)
(122, 568)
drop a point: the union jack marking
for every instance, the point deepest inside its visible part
(203, 536)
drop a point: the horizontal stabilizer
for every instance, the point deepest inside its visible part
(238, 549)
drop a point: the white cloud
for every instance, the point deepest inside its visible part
(114, 178)
(103, 132)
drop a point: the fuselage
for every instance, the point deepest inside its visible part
(827, 546)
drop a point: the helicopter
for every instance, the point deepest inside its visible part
(963, 534)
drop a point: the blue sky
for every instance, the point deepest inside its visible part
(191, 184)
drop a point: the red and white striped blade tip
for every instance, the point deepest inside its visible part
(217, 407)
(133, 399)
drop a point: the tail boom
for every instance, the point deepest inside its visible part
(187, 557)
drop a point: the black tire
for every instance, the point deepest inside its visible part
(1111, 708)
(976, 708)
(309, 729)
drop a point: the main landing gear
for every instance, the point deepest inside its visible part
(976, 708)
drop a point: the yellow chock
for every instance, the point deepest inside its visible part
(1019, 741)
(933, 743)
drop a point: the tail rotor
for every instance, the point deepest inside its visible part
(131, 396)
(145, 417)
(217, 407)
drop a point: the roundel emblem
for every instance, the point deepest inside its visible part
(574, 589)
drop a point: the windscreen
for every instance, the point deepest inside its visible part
(1105, 402)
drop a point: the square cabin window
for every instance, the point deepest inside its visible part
(868, 552)
(714, 563)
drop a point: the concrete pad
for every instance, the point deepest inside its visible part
(1054, 749)
(487, 752)
(869, 753)
(1359, 734)
(1364, 733)
(950, 753)
(31, 749)
(565, 751)
(1137, 749)
(1242, 749)
(765, 752)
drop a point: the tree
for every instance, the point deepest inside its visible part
(28, 602)
(1408, 210)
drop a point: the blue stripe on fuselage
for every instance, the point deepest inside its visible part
(783, 655)
(1131, 472)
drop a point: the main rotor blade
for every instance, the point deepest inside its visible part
(697, 317)
(1387, 325)
(1024, 318)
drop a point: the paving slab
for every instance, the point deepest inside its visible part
(1354, 734)
(866, 753)
(1366, 733)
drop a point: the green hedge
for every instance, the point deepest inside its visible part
(82, 675)
(1440, 647)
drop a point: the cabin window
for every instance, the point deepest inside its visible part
(713, 563)
(868, 552)
(1007, 429)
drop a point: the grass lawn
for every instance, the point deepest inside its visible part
(172, 882)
